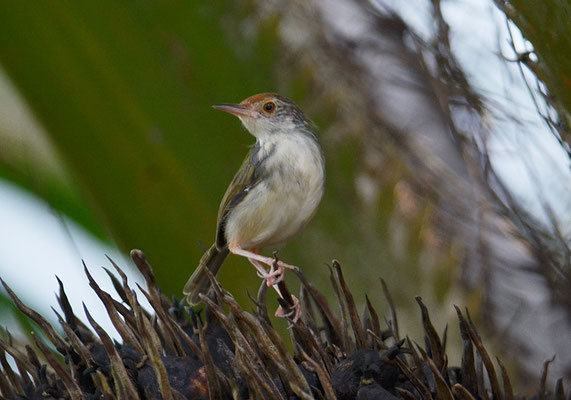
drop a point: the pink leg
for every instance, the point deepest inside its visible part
(262, 273)
(274, 276)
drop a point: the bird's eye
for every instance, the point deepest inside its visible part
(269, 106)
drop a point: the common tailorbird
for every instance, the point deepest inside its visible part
(273, 195)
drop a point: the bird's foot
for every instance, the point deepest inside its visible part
(272, 277)
(275, 276)
(277, 272)
(260, 270)
(293, 314)
(277, 268)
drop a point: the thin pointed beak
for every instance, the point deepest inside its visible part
(238, 110)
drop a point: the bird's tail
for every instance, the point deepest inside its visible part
(199, 282)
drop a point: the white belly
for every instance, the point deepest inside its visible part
(284, 201)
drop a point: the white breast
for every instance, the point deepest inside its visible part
(286, 198)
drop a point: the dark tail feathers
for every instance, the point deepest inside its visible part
(199, 282)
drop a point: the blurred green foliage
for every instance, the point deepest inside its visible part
(124, 92)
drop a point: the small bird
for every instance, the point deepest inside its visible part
(273, 195)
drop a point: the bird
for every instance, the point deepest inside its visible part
(274, 194)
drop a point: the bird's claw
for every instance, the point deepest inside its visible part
(295, 311)
(275, 276)
(277, 272)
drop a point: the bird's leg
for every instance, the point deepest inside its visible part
(277, 269)
(262, 273)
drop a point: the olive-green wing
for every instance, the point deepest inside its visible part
(245, 179)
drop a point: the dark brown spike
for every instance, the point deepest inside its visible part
(508, 392)
(469, 379)
(360, 337)
(260, 362)
(414, 354)
(282, 360)
(188, 341)
(13, 379)
(86, 334)
(375, 322)
(124, 280)
(425, 369)
(292, 369)
(323, 376)
(43, 323)
(218, 314)
(494, 384)
(126, 333)
(346, 344)
(444, 339)
(422, 389)
(61, 372)
(152, 346)
(378, 341)
(246, 357)
(170, 332)
(214, 389)
(262, 309)
(103, 384)
(63, 302)
(222, 296)
(129, 294)
(76, 343)
(442, 390)
(387, 333)
(33, 359)
(146, 270)
(126, 313)
(275, 350)
(460, 390)
(332, 323)
(144, 267)
(16, 354)
(480, 377)
(435, 346)
(116, 284)
(405, 394)
(366, 325)
(559, 391)
(23, 372)
(394, 320)
(306, 306)
(543, 381)
(305, 339)
(6, 387)
(123, 385)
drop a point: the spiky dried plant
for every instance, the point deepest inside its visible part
(173, 352)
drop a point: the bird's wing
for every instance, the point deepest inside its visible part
(245, 179)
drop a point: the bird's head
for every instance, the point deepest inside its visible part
(268, 114)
